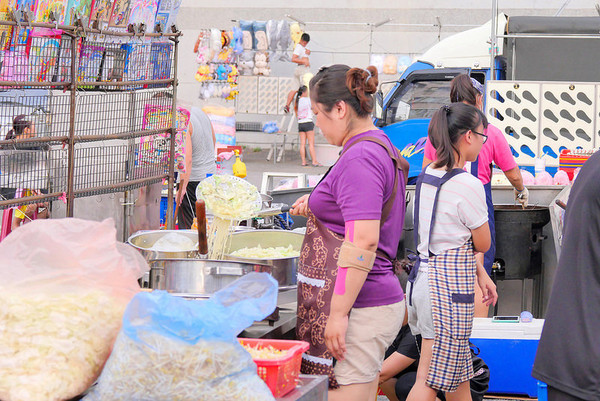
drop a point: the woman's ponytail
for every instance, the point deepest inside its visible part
(447, 125)
(354, 86)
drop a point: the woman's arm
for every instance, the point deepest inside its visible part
(363, 234)
(393, 365)
(481, 238)
(185, 177)
(515, 178)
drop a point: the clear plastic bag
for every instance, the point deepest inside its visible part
(65, 285)
(171, 348)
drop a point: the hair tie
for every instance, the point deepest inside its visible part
(477, 85)
(446, 108)
(369, 77)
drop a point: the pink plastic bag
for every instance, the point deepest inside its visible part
(561, 178)
(528, 179)
(65, 285)
(544, 178)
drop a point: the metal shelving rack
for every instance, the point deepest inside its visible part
(91, 95)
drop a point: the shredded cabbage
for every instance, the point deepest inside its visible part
(229, 197)
(259, 252)
(53, 347)
(163, 368)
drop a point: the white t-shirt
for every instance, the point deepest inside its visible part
(300, 51)
(305, 114)
(461, 208)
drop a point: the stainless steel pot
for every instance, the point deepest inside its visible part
(145, 240)
(283, 269)
(199, 277)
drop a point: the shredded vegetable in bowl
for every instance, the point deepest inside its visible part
(268, 352)
(229, 197)
(161, 368)
(53, 347)
(259, 252)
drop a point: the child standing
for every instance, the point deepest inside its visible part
(306, 126)
(451, 224)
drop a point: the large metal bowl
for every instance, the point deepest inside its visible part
(283, 269)
(145, 240)
(199, 277)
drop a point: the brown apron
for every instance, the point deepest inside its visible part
(317, 271)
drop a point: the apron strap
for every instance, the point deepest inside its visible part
(400, 163)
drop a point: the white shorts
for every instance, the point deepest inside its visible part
(299, 74)
(370, 332)
(420, 318)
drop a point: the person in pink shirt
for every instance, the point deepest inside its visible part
(496, 150)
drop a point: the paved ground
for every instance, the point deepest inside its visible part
(256, 164)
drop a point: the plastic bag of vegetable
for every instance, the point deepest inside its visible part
(170, 348)
(65, 285)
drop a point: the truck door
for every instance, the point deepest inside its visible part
(407, 111)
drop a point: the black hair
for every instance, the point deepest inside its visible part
(462, 90)
(19, 124)
(299, 93)
(305, 37)
(354, 86)
(447, 125)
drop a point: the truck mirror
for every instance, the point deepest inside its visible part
(378, 112)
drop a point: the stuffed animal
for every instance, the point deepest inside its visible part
(246, 63)
(222, 72)
(377, 62)
(232, 95)
(203, 73)
(261, 64)
(236, 43)
(295, 32)
(390, 64)
(233, 74)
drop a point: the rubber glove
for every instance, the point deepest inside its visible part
(522, 196)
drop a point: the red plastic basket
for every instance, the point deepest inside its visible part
(281, 373)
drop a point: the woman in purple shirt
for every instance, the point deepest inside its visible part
(350, 303)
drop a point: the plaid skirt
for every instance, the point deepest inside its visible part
(452, 289)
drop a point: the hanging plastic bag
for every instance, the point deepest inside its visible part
(174, 349)
(65, 285)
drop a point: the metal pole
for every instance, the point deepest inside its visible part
(493, 39)
(370, 44)
(171, 181)
(71, 142)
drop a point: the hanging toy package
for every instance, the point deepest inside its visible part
(171, 348)
(65, 285)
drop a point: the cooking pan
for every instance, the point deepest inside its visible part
(283, 269)
(199, 277)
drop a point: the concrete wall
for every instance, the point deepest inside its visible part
(340, 31)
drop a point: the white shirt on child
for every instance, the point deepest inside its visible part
(305, 114)
(300, 51)
(461, 208)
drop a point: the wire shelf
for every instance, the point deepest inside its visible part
(97, 108)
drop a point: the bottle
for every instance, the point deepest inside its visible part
(540, 166)
(239, 167)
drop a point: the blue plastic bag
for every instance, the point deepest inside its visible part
(270, 127)
(173, 348)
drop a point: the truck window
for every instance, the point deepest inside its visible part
(418, 99)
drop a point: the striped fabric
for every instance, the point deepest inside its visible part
(452, 286)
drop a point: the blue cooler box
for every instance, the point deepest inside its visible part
(509, 351)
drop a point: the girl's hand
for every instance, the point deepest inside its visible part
(488, 288)
(335, 336)
(300, 207)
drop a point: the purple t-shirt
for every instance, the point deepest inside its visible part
(356, 188)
